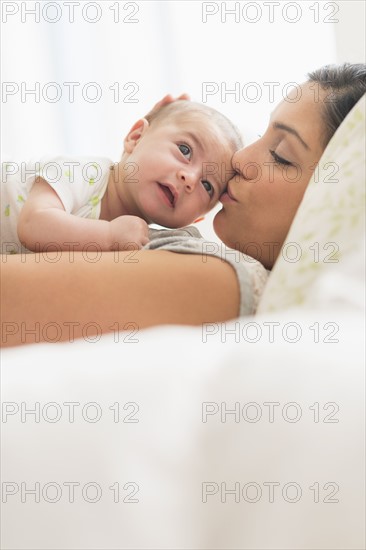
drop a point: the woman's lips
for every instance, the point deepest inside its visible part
(227, 196)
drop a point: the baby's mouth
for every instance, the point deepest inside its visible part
(169, 193)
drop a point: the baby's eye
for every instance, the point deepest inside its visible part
(207, 185)
(185, 150)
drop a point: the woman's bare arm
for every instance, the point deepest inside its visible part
(73, 297)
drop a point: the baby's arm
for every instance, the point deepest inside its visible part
(43, 220)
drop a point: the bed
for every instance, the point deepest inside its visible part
(243, 435)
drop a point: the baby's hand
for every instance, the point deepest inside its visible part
(128, 233)
(165, 101)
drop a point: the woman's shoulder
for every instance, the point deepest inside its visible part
(186, 239)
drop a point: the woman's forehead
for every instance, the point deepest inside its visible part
(301, 102)
(301, 110)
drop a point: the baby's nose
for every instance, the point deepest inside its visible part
(189, 179)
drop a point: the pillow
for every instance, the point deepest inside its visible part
(322, 259)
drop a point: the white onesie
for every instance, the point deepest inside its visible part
(80, 184)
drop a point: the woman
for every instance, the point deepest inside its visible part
(160, 287)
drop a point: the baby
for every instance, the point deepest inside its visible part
(174, 167)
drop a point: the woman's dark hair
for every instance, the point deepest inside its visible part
(345, 85)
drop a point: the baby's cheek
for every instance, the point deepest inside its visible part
(209, 207)
(214, 202)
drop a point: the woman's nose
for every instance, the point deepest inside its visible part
(188, 179)
(245, 163)
(237, 159)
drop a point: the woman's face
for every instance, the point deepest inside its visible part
(272, 175)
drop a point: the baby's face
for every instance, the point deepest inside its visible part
(182, 170)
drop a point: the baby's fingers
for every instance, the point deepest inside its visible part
(185, 96)
(144, 240)
(166, 100)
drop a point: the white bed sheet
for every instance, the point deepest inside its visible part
(170, 453)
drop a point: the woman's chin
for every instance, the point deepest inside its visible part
(220, 226)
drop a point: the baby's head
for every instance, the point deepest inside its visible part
(179, 161)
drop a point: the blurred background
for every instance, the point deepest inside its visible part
(77, 74)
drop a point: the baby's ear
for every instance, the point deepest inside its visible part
(135, 134)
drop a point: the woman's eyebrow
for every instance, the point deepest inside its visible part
(290, 130)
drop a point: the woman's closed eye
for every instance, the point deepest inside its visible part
(209, 188)
(185, 150)
(279, 160)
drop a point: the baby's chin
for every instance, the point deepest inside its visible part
(174, 224)
(153, 217)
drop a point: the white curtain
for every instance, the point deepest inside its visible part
(77, 74)
(136, 52)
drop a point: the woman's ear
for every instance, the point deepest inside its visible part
(135, 134)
